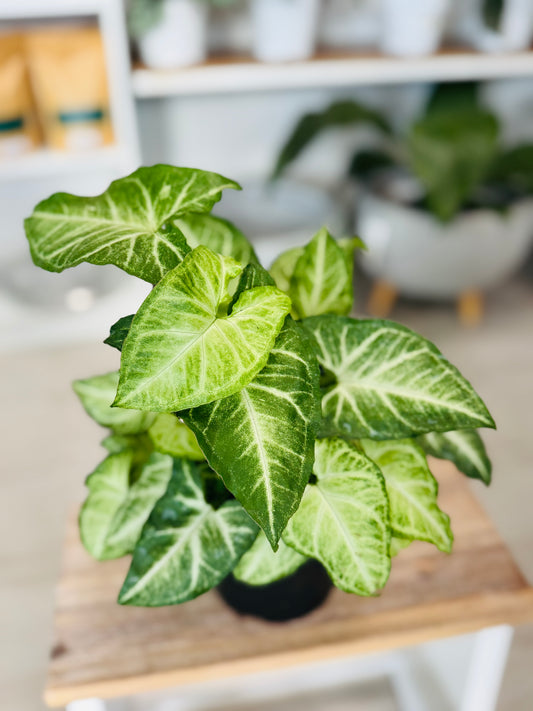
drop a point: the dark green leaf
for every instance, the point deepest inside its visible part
(119, 331)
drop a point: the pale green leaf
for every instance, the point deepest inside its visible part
(464, 448)
(261, 565)
(343, 520)
(171, 436)
(97, 395)
(322, 279)
(182, 352)
(116, 508)
(412, 491)
(386, 382)
(129, 225)
(397, 545)
(282, 268)
(261, 439)
(186, 547)
(218, 234)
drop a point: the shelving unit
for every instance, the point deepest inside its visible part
(242, 74)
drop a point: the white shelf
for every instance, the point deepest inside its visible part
(242, 74)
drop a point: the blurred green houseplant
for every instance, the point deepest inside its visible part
(253, 423)
(143, 15)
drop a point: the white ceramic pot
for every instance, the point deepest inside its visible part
(413, 28)
(516, 28)
(423, 258)
(284, 30)
(179, 39)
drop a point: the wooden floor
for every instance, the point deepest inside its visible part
(102, 649)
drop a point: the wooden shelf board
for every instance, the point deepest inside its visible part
(242, 74)
(104, 650)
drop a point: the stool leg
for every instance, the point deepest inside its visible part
(382, 299)
(486, 669)
(470, 308)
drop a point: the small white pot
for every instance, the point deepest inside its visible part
(284, 30)
(179, 39)
(423, 258)
(412, 28)
(514, 35)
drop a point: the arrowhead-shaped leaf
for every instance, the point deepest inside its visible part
(261, 565)
(171, 436)
(186, 546)
(129, 225)
(261, 439)
(116, 509)
(181, 353)
(219, 235)
(283, 267)
(343, 520)
(386, 382)
(412, 491)
(322, 278)
(464, 448)
(97, 394)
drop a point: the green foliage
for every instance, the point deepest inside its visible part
(242, 438)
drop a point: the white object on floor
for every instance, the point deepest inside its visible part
(179, 39)
(284, 30)
(412, 28)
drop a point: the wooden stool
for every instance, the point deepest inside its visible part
(102, 650)
(383, 298)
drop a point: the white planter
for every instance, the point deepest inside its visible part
(413, 28)
(284, 30)
(516, 28)
(423, 258)
(180, 39)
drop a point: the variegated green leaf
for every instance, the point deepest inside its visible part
(129, 225)
(386, 382)
(261, 439)
(322, 279)
(186, 547)
(282, 268)
(182, 352)
(119, 331)
(219, 235)
(97, 394)
(412, 491)
(343, 520)
(261, 565)
(464, 448)
(397, 545)
(116, 508)
(171, 436)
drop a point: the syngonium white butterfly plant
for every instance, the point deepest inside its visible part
(254, 424)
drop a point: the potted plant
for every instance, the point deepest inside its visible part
(497, 25)
(412, 28)
(244, 439)
(444, 207)
(284, 30)
(170, 33)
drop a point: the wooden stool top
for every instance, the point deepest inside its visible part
(103, 650)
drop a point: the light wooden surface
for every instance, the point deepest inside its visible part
(104, 650)
(243, 74)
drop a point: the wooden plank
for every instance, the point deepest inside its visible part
(105, 650)
(328, 68)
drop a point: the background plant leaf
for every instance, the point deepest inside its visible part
(261, 565)
(343, 520)
(464, 448)
(187, 547)
(219, 235)
(97, 395)
(412, 492)
(119, 331)
(386, 382)
(182, 353)
(171, 436)
(129, 225)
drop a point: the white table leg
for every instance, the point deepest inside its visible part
(87, 705)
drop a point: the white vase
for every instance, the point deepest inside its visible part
(424, 258)
(179, 39)
(413, 28)
(284, 30)
(514, 34)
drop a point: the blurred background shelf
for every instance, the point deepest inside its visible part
(229, 74)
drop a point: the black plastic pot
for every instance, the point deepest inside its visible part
(286, 599)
